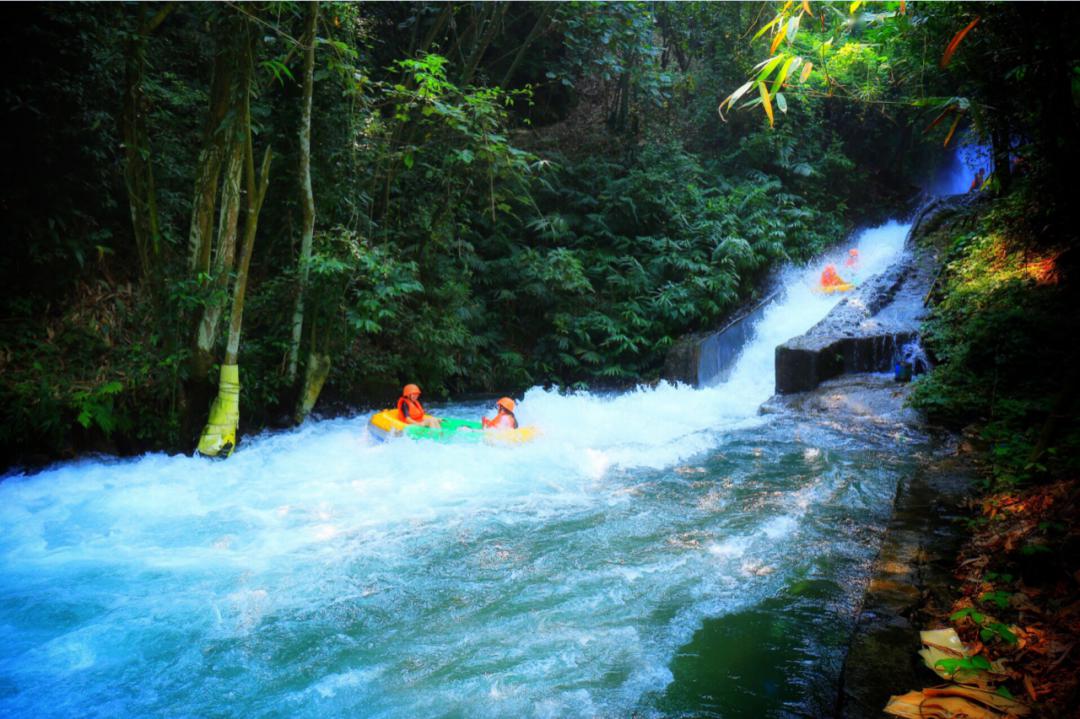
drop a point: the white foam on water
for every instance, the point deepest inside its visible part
(320, 569)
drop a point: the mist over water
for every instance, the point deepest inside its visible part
(319, 573)
(956, 175)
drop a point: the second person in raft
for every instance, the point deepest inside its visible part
(505, 418)
(410, 411)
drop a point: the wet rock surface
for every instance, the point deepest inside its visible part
(913, 569)
(865, 331)
(912, 572)
(867, 398)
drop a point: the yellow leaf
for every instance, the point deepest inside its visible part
(855, 6)
(777, 40)
(952, 129)
(806, 8)
(766, 101)
(903, 7)
(806, 71)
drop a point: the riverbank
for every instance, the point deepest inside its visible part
(952, 554)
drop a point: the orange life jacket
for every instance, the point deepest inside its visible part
(503, 420)
(416, 410)
(830, 278)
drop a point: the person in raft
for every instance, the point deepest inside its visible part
(410, 411)
(852, 260)
(505, 418)
(830, 278)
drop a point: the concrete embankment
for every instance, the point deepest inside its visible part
(912, 571)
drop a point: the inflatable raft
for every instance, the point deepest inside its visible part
(830, 289)
(385, 425)
(832, 282)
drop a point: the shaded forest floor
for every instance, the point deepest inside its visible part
(1015, 596)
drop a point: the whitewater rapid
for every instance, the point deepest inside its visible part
(318, 572)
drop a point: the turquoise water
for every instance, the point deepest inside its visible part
(664, 552)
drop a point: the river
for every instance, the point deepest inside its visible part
(658, 553)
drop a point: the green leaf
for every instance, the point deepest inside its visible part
(769, 67)
(766, 26)
(408, 160)
(781, 103)
(782, 75)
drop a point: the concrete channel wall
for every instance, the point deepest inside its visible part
(707, 358)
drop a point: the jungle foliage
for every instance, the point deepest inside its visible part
(505, 194)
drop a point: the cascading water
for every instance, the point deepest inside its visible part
(967, 161)
(319, 573)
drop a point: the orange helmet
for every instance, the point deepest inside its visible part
(506, 403)
(410, 389)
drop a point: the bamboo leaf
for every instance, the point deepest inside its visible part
(765, 100)
(766, 26)
(781, 102)
(855, 6)
(806, 8)
(731, 99)
(782, 75)
(955, 43)
(764, 74)
(806, 71)
(793, 28)
(776, 41)
(903, 7)
(952, 130)
(938, 119)
(763, 63)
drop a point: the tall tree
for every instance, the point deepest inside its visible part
(307, 199)
(219, 435)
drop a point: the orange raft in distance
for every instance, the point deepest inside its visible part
(832, 282)
(385, 425)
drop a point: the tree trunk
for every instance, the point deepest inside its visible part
(542, 23)
(318, 365)
(318, 369)
(219, 435)
(224, 260)
(208, 172)
(494, 16)
(220, 142)
(306, 195)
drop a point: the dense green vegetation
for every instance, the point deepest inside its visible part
(502, 194)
